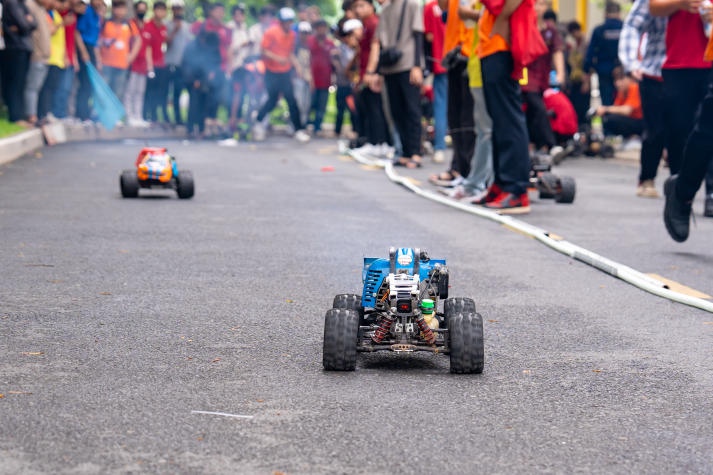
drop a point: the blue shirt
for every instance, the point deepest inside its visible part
(603, 51)
(637, 23)
(89, 26)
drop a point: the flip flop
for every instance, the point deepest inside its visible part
(407, 163)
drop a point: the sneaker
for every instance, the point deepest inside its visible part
(708, 208)
(557, 154)
(386, 151)
(302, 136)
(676, 213)
(646, 189)
(458, 192)
(447, 183)
(259, 133)
(488, 196)
(439, 156)
(478, 197)
(508, 203)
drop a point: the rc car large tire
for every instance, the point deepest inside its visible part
(548, 183)
(341, 330)
(129, 183)
(455, 305)
(350, 302)
(567, 190)
(184, 186)
(465, 331)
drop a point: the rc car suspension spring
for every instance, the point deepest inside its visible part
(383, 330)
(426, 331)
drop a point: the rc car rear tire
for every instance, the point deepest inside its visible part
(350, 302)
(548, 184)
(465, 332)
(184, 185)
(341, 330)
(567, 190)
(455, 305)
(129, 183)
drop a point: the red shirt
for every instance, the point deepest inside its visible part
(139, 65)
(370, 24)
(155, 36)
(685, 42)
(69, 38)
(433, 24)
(321, 52)
(538, 73)
(224, 33)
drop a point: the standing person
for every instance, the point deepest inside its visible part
(538, 80)
(17, 27)
(345, 61)
(201, 64)
(155, 35)
(646, 69)
(302, 82)
(401, 30)
(141, 69)
(237, 54)
(321, 48)
(56, 64)
(60, 101)
(577, 87)
(119, 44)
(38, 61)
(434, 30)
(603, 50)
(88, 27)
(458, 39)
(371, 126)
(501, 68)
(178, 35)
(278, 46)
(685, 77)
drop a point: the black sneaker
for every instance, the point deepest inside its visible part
(676, 213)
(708, 208)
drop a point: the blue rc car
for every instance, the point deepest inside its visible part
(398, 311)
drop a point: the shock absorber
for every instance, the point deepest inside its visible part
(383, 330)
(426, 331)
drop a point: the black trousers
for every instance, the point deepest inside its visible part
(280, 84)
(370, 117)
(156, 96)
(176, 85)
(14, 64)
(197, 109)
(580, 101)
(615, 124)
(48, 91)
(684, 90)
(511, 159)
(538, 123)
(342, 93)
(698, 153)
(654, 135)
(82, 106)
(461, 125)
(405, 104)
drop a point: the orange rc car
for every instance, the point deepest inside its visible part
(155, 168)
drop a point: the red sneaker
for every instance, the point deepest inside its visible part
(493, 192)
(508, 203)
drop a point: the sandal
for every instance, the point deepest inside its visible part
(447, 178)
(407, 163)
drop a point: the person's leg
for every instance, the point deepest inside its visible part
(285, 86)
(653, 137)
(481, 167)
(48, 90)
(542, 135)
(375, 120)
(60, 101)
(502, 95)
(411, 137)
(16, 77)
(460, 120)
(341, 99)
(440, 110)
(273, 95)
(35, 79)
(607, 91)
(150, 103)
(84, 91)
(130, 91)
(321, 95)
(615, 124)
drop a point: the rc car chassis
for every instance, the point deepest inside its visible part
(398, 311)
(549, 185)
(155, 168)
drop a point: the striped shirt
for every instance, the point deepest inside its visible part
(642, 45)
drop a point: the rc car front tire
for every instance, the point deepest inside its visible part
(341, 330)
(129, 183)
(465, 331)
(567, 190)
(455, 305)
(350, 302)
(184, 185)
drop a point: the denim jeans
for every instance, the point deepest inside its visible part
(319, 106)
(116, 79)
(302, 96)
(342, 93)
(481, 166)
(35, 79)
(83, 108)
(60, 101)
(440, 110)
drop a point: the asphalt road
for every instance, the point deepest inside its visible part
(120, 318)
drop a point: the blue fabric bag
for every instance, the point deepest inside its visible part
(108, 107)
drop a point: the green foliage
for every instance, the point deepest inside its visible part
(195, 8)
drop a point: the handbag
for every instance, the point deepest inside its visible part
(390, 56)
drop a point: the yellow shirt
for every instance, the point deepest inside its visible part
(58, 45)
(475, 74)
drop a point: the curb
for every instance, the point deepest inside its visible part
(15, 146)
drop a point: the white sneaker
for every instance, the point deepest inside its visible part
(231, 142)
(386, 151)
(366, 149)
(439, 156)
(259, 133)
(557, 153)
(302, 136)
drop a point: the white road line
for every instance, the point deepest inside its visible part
(224, 414)
(613, 268)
